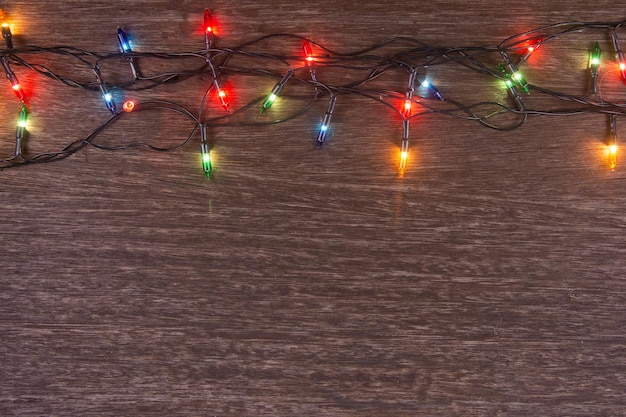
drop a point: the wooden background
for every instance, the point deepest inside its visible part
(488, 281)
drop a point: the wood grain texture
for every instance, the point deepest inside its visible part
(488, 281)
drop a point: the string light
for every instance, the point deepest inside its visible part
(510, 86)
(516, 75)
(321, 135)
(404, 147)
(612, 143)
(408, 96)
(205, 152)
(128, 106)
(218, 62)
(221, 94)
(125, 48)
(106, 96)
(528, 51)
(621, 59)
(6, 34)
(20, 132)
(209, 33)
(432, 90)
(15, 84)
(594, 66)
(278, 88)
(309, 59)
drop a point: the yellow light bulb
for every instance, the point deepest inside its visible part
(403, 157)
(612, 156)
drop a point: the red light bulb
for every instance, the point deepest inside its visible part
(208, 21)
(309, 59)
(15, 84)
(222, 95)
(209, 30)
(308, 51)
(18, 91)
(528, 51)
(406, 109)
(622, 66)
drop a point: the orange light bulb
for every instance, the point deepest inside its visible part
(129, 106)
(612, 157)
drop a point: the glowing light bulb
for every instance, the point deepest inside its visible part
(321, 136)
(106, 96)
(612, 143)
(621, 60)
(516, 75)
(209, 30)
(404, 155)
(23, 117)
(221, 94)
(408, 96)
(407, 107)
(125, 48)
(528, 51)
(404, 147)
(594, 66)
(271, 98)
(621, 64)
(308, 51)
(128, 106)
(432, 90)
(510, 86)
(15, 84)
(6, 34)
(613, 157)
(20, 132)
(309, 59)
(123, 41)
(208, 21)
(594, 57)
(205, 152)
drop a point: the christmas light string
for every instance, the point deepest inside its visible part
(375, 76)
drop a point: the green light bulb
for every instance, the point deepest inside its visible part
(510, 85)
(516, 75)
(23, 117)
(206, 164)
(21, 131)
(520, 80)
(276, 91)
(594, 66)
(205, 152)
(268, 102)
(594, 58)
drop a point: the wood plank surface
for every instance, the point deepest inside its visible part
(489, 280)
